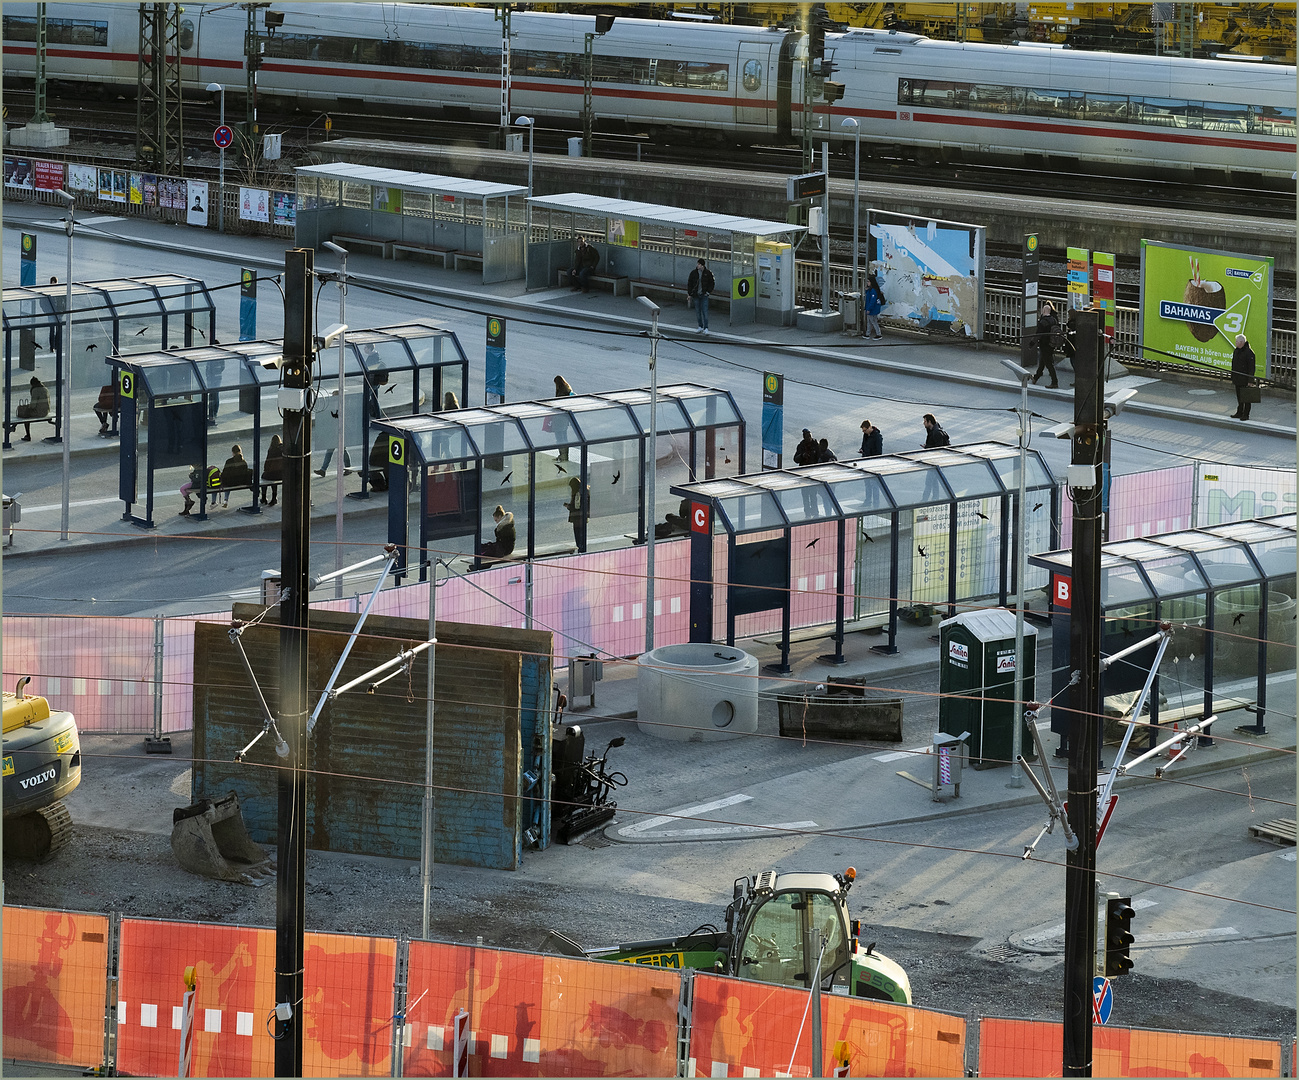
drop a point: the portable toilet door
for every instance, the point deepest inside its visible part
(960, 682)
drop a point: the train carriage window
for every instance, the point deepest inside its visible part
(1217, 116)
(1044, 102)
(1161, 112)
(57, 31)
(1109, 107)
(996, 99)
(752, 76)
(1270, 120)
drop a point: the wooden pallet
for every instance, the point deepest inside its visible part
(1281, 831)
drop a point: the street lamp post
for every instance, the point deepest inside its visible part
(1021, 555)
(217, 88)
(651, 514)
(340, 471)
(531, 125)
(66, 433)
(851, 123)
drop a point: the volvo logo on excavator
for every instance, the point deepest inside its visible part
(38, 779)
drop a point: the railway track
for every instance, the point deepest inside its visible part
(116, 124)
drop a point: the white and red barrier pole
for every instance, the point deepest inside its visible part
(187, 1024)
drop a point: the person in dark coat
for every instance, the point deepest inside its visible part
(272, 471)
(504, 543)
(585, 260)
(806, 450)
(699, 286)
(1243, 366)
(577, 510)
(872, 440)
(934, 434)
(1046, 328)
(36, 408)
(824, 453)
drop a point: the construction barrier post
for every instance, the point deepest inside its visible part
(187, 1024)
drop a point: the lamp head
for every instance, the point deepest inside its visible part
(850, 122)
(215, 88)
(1115, 402)
(331, 335)
(654, 308)
(1020, 373)
(524, 121)
(341, 252)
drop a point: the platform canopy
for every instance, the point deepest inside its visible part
(928, 527)
(406, 180)
(670, 217)
(1228, 591)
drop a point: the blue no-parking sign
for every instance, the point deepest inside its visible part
(223, 136)
(1102, 999)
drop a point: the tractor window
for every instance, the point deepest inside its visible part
(773, 948)
(825, 917)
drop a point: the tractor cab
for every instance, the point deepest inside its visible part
(771, 916)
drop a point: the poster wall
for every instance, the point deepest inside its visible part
(1194, 302)
(254, 204)
(286, 212)
(83, 178)
(18, 173)
(930, 272)
(196, 202)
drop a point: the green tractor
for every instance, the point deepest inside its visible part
(766, 926)
(42, 764)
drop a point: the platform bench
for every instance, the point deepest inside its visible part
(384, 247)
(619, 285)
(473, 258)
(14, 425)
(421, 250)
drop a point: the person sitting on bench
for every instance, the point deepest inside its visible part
(106, 406)
(37, 408)
(674, 524)
(585, 260)
(235, 473)
(504, 543)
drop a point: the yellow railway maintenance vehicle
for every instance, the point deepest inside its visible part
(42, 765)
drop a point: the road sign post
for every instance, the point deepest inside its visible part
(1102, 999)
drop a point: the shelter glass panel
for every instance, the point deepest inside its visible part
(442, 443)
(1181, 676)
(612, 509)
(973, 479)
(1236, 615)
(705, 408)
(860, 494)
(600, 420)
(453, 512)
(1227, 565)
(1281, 638)
(673, 470)
(492, 434)
(807, 502)
(871, 586)
(556, 491)
(507, 476)
(1172, 574)
(1121, 584)
(167, 378)
(919, 486)
(1276, 557)
(749, 513)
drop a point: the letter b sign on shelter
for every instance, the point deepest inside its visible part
(1061, 591)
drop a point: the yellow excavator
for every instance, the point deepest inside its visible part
(42, 764)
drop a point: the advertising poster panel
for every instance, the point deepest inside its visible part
(83, 178)
(930, 272)
(49, 175)
(253, 203)
(1194, 302)
(195, 202)
(286, 212)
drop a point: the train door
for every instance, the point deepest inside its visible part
(755, 81)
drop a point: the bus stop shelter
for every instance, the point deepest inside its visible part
(168, 397)
(1229, 593)
(113, 317)
(572, 471)
(400, 213)
(655, 247)
(928, 527)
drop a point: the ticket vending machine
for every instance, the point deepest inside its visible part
(775, 282)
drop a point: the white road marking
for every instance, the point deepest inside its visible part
(1184, 935)
(897, 755)
(689, 811)
(59, 506)
(734, 830)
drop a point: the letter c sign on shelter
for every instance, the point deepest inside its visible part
(699, 517)
(1062, 591)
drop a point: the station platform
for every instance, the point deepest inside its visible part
(95, 516)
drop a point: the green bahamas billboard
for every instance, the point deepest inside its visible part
(1195, 302)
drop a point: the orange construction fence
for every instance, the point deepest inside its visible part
(528, 1015)
(1036, 1048)
(533, 1015)
(55, 985)
(752, 1029)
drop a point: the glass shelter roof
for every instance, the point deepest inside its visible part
(873, 485)
(115, 298)
(590, 418)
(1190, 561)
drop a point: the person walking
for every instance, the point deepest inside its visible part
(806, 450)
(329, 450)
(698, 286)
(872, 440)
(585, 260)
(1244, 364)
(577, 510)
(560, 421)
(1047, 326)
(935, 436)
(873, 304)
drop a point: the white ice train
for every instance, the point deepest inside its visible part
(1049, 106)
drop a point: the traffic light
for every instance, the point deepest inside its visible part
(816, 40)
(1118, 935)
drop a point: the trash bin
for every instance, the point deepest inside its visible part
(850, 309)
(575, 146)
(977, 680)
(13, 512)
(583, 673)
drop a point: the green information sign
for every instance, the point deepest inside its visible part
(1195, 302)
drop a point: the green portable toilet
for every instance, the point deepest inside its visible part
(977, 681)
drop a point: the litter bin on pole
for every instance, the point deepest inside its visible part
(977, 680)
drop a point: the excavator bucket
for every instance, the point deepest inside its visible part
(211, 840)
